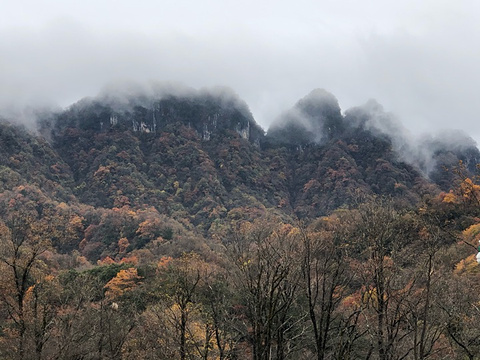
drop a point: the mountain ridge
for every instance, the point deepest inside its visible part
(200, 155)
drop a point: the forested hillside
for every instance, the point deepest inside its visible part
(169, 225)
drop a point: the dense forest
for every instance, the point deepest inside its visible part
(168, 225)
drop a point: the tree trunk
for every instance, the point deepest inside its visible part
(183, 335)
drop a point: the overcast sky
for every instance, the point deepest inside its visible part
(420, 59)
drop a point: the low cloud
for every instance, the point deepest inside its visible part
(426, 151)
(418, 60)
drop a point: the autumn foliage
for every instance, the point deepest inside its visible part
(190, 241)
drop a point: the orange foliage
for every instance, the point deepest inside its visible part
(147, 228)
(288, 230)
(472, 234)
(125, 211)
(125, 280)
(123, 245)
(466, 265)
(129, 260)
(106, 261)
(29, 293)
(163, 262)
(449, 198)
(352, 301)
(469, 191)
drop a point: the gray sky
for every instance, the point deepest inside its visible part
(419, 59)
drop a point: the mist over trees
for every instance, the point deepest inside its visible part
(164, 224)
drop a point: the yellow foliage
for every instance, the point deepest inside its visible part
(62, 206)
(370, 297)
(466, 265)
(471, 234)
(246, 263)
(288, 230)
(469, 189)
(199, 334)
(124, 281)
(76, 222)
(449, 198)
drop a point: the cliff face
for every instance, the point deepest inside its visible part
(206, 113)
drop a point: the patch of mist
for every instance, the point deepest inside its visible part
(373, 117)
(425, 151)
(228, 99)
(123, 95)
(309, 121)
(28, 115)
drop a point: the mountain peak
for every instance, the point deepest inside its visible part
(319, 102)
(316, 118)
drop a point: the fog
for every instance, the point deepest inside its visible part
(423, 150)
(418, 59)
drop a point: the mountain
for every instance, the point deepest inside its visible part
(200, 158)
(202, 155)
(143, 210)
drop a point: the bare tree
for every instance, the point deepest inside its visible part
(377, 237)
(266, 275)
(326, 280)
